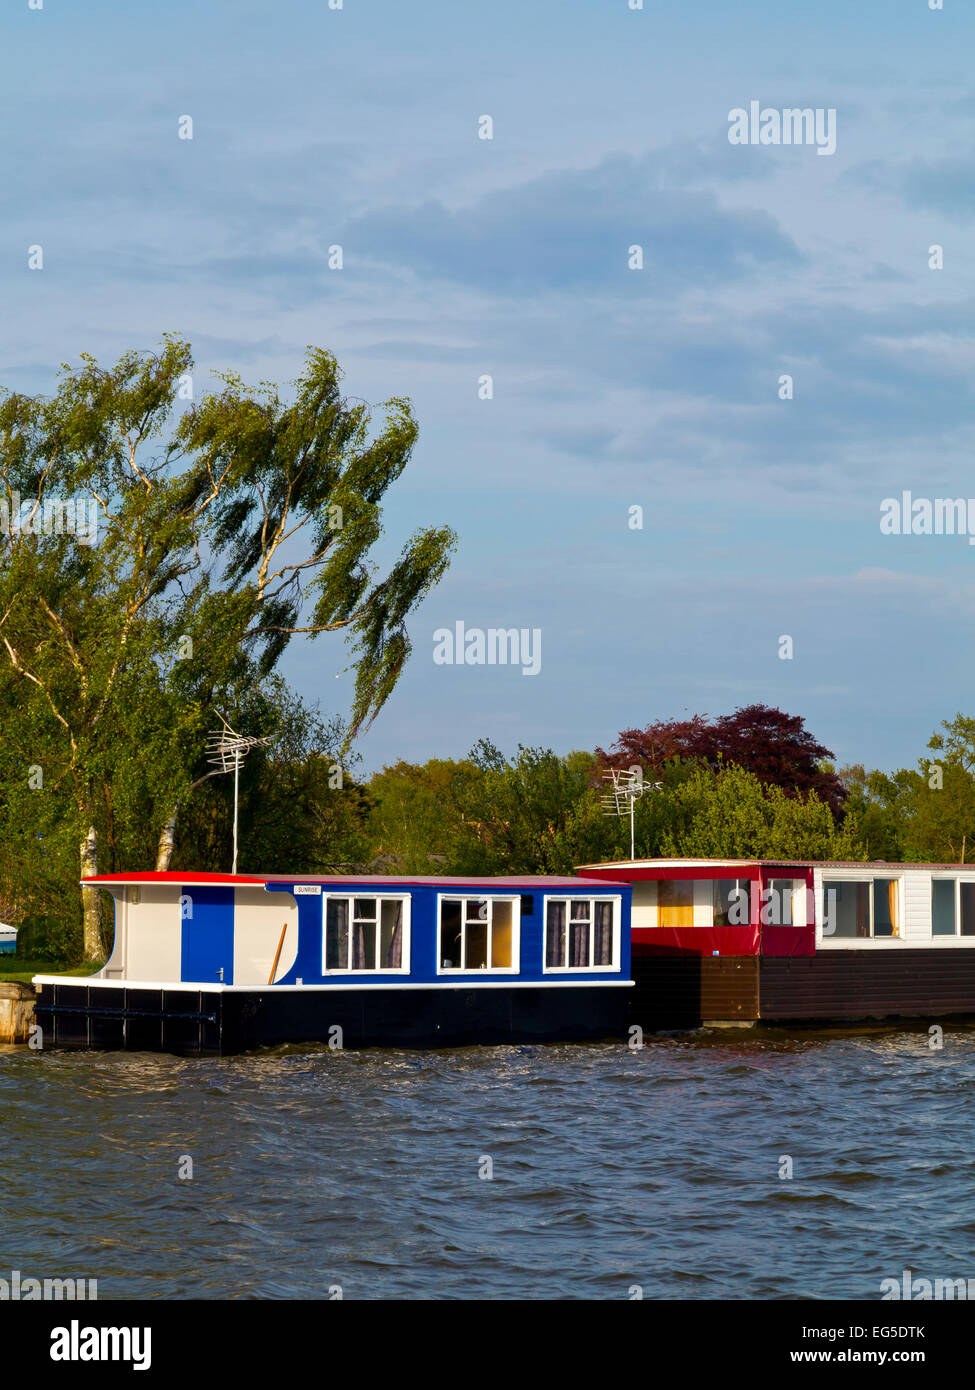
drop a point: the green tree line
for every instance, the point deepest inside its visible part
(542, 812)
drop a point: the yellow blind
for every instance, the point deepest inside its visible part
(675, 903)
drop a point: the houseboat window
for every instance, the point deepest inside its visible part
(722, 902)
(966, 897)
(732, 902)
(555, 934)
(391, 934)
(952, 902)
(337, 934)
(862, 908)
(885, 914)
(848, 908)
(777, 907)
(943, 915)
(502, 944)
(363, 933)
(477, 934)
(579, 933)
(783, 903)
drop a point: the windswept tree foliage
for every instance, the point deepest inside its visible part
(154, 569)
(301, 805)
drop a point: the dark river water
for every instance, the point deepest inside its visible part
(315, 1170)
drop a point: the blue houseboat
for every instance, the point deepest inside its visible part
(218, 963)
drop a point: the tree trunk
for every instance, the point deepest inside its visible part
(91, 898)
(167, 840)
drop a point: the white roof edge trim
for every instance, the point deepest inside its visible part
(209, 987)
(665, 863)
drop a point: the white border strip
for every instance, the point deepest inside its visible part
(211, 987)
(895, 943)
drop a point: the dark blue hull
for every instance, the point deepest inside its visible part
(201, 1023)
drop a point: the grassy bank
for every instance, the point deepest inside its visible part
(22, 969)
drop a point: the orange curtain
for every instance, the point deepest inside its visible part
(892, 899)
(675, 902)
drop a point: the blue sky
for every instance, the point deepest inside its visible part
(612, 388)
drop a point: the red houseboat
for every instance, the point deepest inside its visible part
(735, 941)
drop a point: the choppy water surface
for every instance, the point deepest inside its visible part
(610, 1168)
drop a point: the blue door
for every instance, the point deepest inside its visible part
(208, 935)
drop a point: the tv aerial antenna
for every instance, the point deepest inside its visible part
(626, 786)
(226, 750)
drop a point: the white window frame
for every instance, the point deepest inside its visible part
(612, 969)
(957, 880)
(404, 898)
(831, 939)
(490, 898)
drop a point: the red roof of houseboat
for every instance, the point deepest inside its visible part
(187, 876)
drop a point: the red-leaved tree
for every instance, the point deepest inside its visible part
(773, 745)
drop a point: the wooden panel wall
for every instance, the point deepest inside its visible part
(868, 984)
(682, 991)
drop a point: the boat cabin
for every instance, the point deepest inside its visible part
(742, 940)
(795, 907)
(382, 959)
